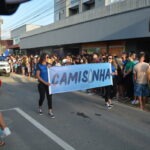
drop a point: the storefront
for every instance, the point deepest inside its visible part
(115, 48)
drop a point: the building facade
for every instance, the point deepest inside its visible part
(4, 45)
(114, 27)
(67, 8)
(17, 33)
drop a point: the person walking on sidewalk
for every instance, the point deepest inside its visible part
(141, 80)
(42, 76)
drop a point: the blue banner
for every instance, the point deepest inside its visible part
(79, 77)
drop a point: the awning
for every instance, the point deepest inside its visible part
(13, 46)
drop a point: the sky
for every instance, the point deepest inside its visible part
(39, 12)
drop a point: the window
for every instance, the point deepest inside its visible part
(73, 11)
(57, 17)
(16, 41)
(109, 2)
(74, 1)
(88, 5)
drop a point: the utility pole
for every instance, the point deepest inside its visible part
(1, 22)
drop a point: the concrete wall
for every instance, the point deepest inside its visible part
(18, 32)
(31, 27)
(59, 9)
(116, 8)
(134, 24)
(99, 3)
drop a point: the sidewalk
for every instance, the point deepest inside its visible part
(124, 101)
(127, 102)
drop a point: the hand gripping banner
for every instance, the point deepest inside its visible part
(79, 77)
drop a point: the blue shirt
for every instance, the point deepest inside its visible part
(113, 69)
(124, 62)
(43, 72)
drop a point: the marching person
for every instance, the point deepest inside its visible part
(42, 76)
(111, 89)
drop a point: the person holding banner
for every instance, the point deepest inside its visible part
(42, 76)
(111, 90)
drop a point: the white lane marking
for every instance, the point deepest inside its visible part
(51, 135)
(7, 109)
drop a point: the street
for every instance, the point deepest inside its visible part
(82, 122)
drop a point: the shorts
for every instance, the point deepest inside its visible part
(29, 69)
(23, 67)
(141, 90)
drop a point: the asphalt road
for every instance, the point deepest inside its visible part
(82, 122)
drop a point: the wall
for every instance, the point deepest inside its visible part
(114, 9)
(114, 48)
(99, 3)
(59, 9)
(23, 29)
(132, 24)
(4, 44)
(30, 27)
(17, 32)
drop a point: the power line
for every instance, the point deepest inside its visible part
(17, 26)
(39, 11)
(28, 6)
(50, 13)
(31, 15)
(32, 18)
(22, 14)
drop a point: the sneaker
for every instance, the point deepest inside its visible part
(6, 131)
(133, 102)
(40, 112)
(136, 102)
(51, 115)
(109, 107)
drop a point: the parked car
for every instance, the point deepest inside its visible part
(4, 68)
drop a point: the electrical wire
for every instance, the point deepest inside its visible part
(38, 16)
(39, 11)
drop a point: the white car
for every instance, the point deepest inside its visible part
(4, 68)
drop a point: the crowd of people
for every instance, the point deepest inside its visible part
(130, 72)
